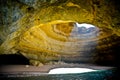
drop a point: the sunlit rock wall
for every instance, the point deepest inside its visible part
(20, 16)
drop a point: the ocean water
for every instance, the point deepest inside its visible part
(96, 75)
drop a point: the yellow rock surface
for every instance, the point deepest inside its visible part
(51, 41)
(46, 31)
(43, 42)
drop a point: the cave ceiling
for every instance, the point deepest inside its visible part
(46, 29)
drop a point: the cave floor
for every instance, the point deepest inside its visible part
(46, 68)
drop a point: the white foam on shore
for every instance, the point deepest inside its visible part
(70, 70)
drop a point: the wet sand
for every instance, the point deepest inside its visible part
(46, 68)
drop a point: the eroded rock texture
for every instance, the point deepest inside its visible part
(45, 30)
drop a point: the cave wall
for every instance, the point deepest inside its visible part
(18, 16)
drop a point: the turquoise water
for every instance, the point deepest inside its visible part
(97, 75)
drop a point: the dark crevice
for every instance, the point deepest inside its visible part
(13, 59)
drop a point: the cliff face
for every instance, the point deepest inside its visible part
(42, 29)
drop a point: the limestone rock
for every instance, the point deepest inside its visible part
(44, 30)
(61, 41)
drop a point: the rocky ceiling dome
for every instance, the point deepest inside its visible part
(61, 30)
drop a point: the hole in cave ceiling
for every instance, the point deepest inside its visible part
(84, 31)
